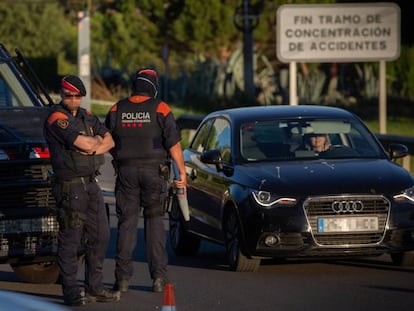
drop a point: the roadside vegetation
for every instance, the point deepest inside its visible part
(195, 46)
(197, 50)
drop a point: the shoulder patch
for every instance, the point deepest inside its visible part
(163, 108)
(62, 123)
(114, 108)
(56, 116)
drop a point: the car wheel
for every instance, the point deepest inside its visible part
(41, 273)
(237, 261)
(405, 259)
(182, 242)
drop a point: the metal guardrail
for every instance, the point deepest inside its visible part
(192, 121)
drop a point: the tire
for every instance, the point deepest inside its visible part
(237, 261)
(182, 242)
(405, 259)
(40, 273)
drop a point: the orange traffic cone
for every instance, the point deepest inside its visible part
(169, 299)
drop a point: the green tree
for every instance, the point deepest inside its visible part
(122, 36)
(127, 34)
(39, 29)
(205, 26)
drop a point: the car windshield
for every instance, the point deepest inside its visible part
(272, 140)
(12, 92)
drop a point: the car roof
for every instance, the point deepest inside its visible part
(281, 111)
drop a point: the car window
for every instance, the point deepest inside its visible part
(265, 140)
(12, 93)
(201, 136)
(290, 140)
(219, 139)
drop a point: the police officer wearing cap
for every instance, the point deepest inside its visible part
(77, 141)
(146, 136)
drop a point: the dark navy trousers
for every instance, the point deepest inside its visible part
(136, 188)
(88, 231)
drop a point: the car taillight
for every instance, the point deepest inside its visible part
(40, 152)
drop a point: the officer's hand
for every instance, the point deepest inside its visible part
(179, 184)
(180, 189)
(99, 138)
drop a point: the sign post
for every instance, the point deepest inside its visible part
(246, 20)
(84, 67)
(350, 32)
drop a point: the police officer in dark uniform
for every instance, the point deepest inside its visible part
(77, 141)
(146, 136)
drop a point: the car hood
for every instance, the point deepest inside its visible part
(328, 177)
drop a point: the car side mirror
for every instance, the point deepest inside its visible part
(212, 157)
(397, 151)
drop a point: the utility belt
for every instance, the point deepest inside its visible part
(79, 180)
(163, 169)
(137, 163)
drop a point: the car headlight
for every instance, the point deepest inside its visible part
(405, 196)
(267, 199)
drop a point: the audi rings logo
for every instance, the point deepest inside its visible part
(347, 206)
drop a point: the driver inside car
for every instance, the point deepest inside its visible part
(318, 142)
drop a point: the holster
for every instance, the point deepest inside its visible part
(164, 170)
(67, 216)
(166, 174)
(168, 200)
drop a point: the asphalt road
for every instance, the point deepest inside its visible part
(203, 282)
(107, 177)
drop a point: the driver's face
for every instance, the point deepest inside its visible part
(318, 141)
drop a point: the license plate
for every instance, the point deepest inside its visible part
(347, 224)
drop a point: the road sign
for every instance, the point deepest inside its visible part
(338, 32)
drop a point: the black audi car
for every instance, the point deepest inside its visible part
(256, 186)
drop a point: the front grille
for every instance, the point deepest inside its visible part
(19, 246)
(22, 171)
(28, 196)
(317, 208)
(28, 223)
(25, 184)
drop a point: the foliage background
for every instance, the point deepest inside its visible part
(204, 69)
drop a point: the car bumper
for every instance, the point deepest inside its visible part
(293, 232)
(303, 245)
